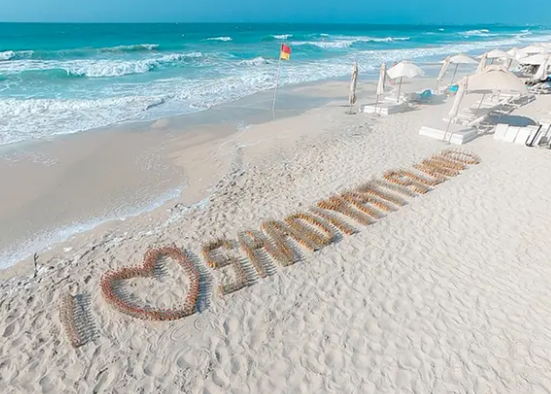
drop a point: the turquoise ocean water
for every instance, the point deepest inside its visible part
(64, 78)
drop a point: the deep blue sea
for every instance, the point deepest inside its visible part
(64, 78)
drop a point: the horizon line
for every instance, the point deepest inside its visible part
(278, 23)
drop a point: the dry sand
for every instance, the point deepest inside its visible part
(447, 295)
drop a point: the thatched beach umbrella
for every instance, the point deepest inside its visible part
(404, 69)
(353, 83)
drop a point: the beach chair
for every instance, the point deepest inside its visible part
(541, 88)
(385, 108)
(453, 133)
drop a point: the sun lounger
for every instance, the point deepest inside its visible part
(385, 108)
(541, 88)
(449, 132)
(517, 135)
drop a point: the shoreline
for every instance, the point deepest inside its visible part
(183, 131)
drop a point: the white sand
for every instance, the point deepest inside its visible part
(450, 294)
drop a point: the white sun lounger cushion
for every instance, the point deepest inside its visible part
(511, 134)
(501, 130)
(523, 135)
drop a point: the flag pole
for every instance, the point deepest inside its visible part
(277, 83)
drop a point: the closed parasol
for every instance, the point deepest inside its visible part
(353, 83)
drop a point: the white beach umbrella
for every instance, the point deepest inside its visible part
(495, 78)
(404, 69)
(542, 72)
(511, 62)
(482, 63)
(457, 102)
(463, 85)
(497, 54)
(353, 84)
(460, 59)
(531, 50)
(534, 60)
(381, 82)
(445, 65)
(512, 52)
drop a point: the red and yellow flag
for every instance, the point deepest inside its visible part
(285, 53)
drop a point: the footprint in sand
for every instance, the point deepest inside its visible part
(47, 384)
(231, 325)
(10, 329)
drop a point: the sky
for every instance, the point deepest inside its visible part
(315, 11)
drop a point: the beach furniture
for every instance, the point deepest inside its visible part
(531, 50)
(385, 108)
(403, 70)
(453, 133)
(527, 136)
(491, 79)
(457, 60)
(424, 96)
(541, 88)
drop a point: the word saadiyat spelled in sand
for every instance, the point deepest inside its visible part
(313, 230)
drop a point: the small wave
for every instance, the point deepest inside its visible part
(48, 75)
(346, 43)
(385, 39)
(130, 48)
(219, 39)
(481, 32)
(257, 61)
(36, 118)
(105, 69)
(282, 36)
(7, 55)
(13, 55)
(101, 68)
(192, 55)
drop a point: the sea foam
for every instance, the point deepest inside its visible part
(219, 39)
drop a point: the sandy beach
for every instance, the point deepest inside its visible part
(446, 294)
